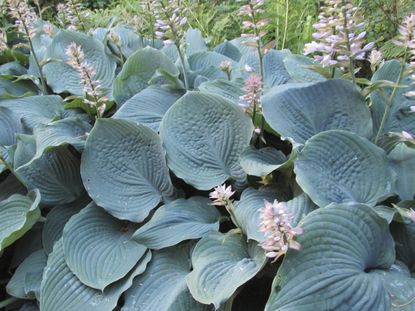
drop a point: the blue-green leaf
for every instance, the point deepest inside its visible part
(124, 170)
(296, 66)
(261, 162)
(138, 70)
(56, 174)
(56, 220)
(162, 287)
(10, 126)
(61, 290)
(339, 166)
(204, 135)
(342, 247)
(25, 282)
(299, 111)
(97, 247)
(148, 107)
(231, 90)
(35, 110)
(18, 214)
(178, 221)
(221, 264)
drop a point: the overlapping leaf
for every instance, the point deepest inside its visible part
(342, 247)
(204, 135)
(124, 170)
(339, 166)
(178, 221)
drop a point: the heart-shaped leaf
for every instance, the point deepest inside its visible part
(18, 214)
(124, 169)
(148, 107)
(228, 49)
(204, 135)
(231, 90)
(25, 282)
(339, 166)
(162, 287)
(222, 263)
(404, 235)
(342, 247)
(299, 111)
(298, 68)
(61, 77)
(178, 221)
(97, 247)
(61, 290)
(138, 70)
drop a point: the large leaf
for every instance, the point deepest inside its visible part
(339, 166)
(400, 117)
(178, 221)
(35, 110)
(162, 287)
(342, 247)
(10, 126)
(61, 290)
(402, 159)
(274, 69)
(299, 111)
(204, 134)
(25, 282)
(70, 131)
(56, 175)
(221, 264)
(261, 162)
(148, 107)
(98, 249)
(138, 70)
(18, 214)
(61, 77)
(124, 169)
(195, 42)
(228, 49)
(56, 220)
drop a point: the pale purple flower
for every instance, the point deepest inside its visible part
(253, 90)
(407, 136)
(221, 195)
(170, 25)
(48, 29)
(24, 16)
(411, 214)
(92, 88)
(254, 25)
(71, 14)
(337, 44)
(376, 59)
(278, 230)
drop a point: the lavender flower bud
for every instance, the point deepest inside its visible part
(24, 16)
(221, 195)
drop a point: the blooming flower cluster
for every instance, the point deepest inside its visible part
(279, 233)
(48, 29)
(252, 98)
(70, 14)
(340, 35)
(406, 39)
(221, 195)
(92, 89)
(376, 59)
(24, 16)
(170, 22)
(254, 26)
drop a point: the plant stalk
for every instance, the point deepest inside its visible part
(8, 302)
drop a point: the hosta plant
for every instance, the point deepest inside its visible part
(141, 175)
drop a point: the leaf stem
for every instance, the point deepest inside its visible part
(8, 302)
(346, 30)
(390, 101)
